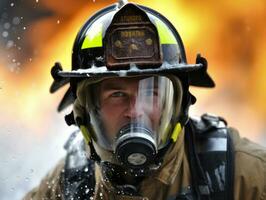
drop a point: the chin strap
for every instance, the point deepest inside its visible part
(86, 132)
(94, 156)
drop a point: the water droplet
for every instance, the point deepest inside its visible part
(27, 179)
(12, 189)
(37, 1)
(13, 60)
(86, 169)
(24, 27)
(5, 34)
(16, 20)
(12, 4)
(7, 25)
(58, 22)
(31, 170)
(18, 38)
(9, 44)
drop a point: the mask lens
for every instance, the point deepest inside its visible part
(150, 102)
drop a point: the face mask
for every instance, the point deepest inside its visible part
(132, 119)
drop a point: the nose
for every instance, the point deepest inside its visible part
(134, 108)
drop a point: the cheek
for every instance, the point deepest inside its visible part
(111, 116)
(109, 113)
(113, 109)
(155, 113)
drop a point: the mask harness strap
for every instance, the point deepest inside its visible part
(86, 132)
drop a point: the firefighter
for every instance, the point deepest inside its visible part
(129, 86)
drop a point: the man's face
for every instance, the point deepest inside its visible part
(129, 100)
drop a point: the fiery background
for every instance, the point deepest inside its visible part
(36, 33)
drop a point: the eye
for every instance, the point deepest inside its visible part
(118, 94)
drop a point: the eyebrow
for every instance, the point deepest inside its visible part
(111, 86)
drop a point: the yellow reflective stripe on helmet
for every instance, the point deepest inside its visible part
(93, 37)
(165, 35)
(176, 132)
(85, 133)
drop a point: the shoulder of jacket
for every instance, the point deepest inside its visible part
(250, 168)
(246, 147)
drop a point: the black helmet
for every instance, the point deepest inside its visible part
(127, 40)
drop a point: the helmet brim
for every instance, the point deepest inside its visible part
(197, 74)
(104, 72)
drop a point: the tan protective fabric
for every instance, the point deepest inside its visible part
(174, 177)
(250, 169)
